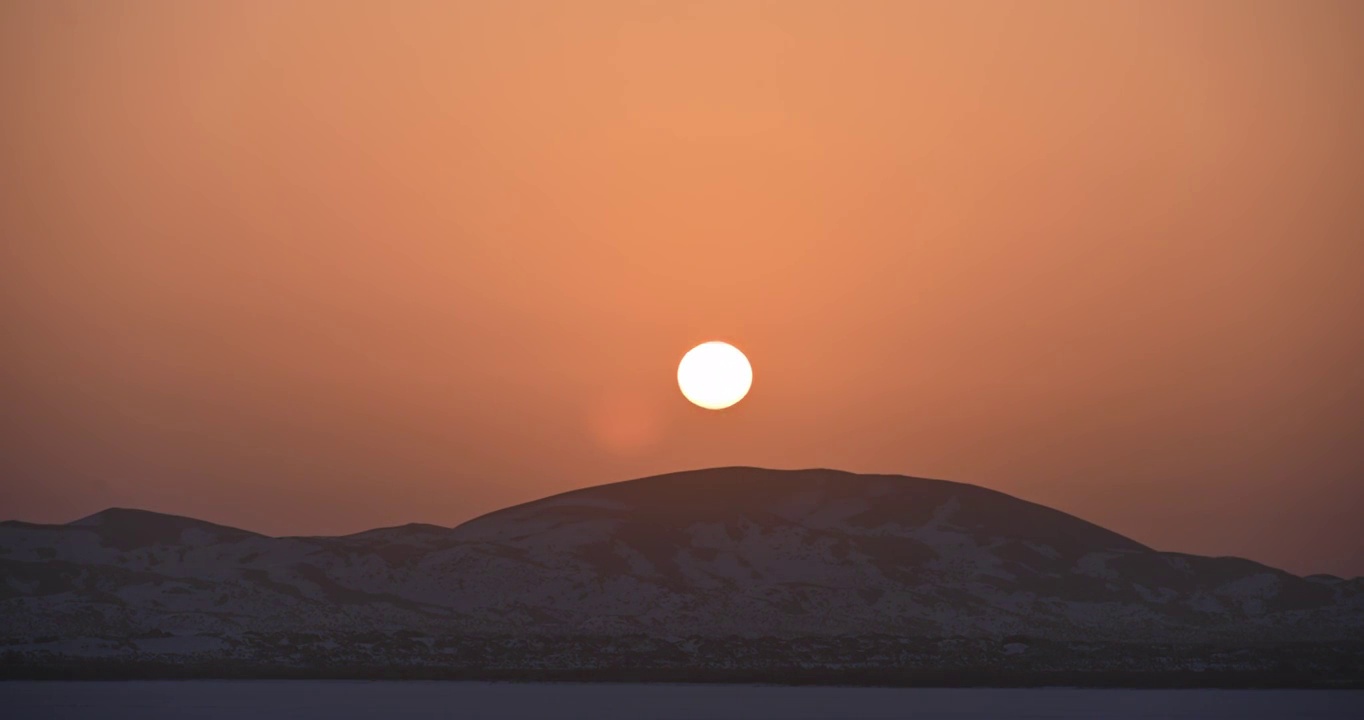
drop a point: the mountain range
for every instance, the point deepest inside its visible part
(719, 569)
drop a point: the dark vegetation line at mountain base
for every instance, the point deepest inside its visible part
(88, 670)
(868, 660)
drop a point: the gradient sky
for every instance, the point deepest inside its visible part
(316, 267)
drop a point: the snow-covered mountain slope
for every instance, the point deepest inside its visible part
(728, 551)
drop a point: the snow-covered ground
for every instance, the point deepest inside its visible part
(730, 551)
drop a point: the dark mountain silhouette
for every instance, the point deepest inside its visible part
(683, 569)
(129, 529)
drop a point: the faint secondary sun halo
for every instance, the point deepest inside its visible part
(714, 375)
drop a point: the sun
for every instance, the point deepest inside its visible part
(714, 375)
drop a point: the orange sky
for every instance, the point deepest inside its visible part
(314, 267)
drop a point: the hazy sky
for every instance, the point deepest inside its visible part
(315, 267)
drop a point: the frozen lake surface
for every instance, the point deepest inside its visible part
(338, 700)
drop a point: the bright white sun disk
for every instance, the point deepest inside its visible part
(714, 375)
